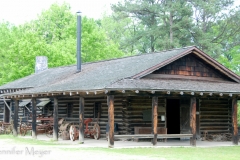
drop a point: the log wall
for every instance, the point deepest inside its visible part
(69, 109)
(215, 116)
(214, 113)
(133, 113)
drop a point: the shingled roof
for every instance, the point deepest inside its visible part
(123, 73)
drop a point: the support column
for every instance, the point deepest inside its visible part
(234, 122)
(81, 120)
(15, 118)
(34, 108)
(110, 100)
(154, 119)
(193, 120)
(55, 120)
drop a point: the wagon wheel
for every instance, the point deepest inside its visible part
(71, 132)
(49, 131)
(96, 131)
(23, 129)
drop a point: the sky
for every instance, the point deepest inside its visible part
(21, 11)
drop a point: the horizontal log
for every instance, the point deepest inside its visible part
(215, 112)
(215, 109)
(215, 123)
(215, 131)
(215, 119)
(152, 135)
(211, 127)
(209, 115)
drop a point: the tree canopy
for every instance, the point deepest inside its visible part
(166, 24)
(52, 34)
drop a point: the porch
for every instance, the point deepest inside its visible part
(103, 143)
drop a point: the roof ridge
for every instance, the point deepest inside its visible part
(139, 55)
(105, 60)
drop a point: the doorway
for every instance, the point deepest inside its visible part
(173, 116)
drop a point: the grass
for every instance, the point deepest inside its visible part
(29, 141)
(179, 153)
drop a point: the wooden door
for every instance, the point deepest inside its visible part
(185, 116)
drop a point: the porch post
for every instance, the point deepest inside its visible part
(4, 114)
(15, 118)
(234, 122)
(81, 120)
(193, 120)
(154, 119)
(110, 99)
(34, 108)
(55, 120)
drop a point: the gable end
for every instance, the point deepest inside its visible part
(189, 67)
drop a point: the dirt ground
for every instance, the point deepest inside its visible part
(10, 150)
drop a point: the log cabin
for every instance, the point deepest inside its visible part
(179, 91)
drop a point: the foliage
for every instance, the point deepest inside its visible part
(231, 59)
(159, 25)
(238, 114)
(53, 35)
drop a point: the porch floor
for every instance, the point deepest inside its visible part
(103, 143)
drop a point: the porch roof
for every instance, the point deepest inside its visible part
(176, 85)
(123, 73)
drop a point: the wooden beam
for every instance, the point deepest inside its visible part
(15, 118)
(55, 120)
(234, 122)
(193, 120)
(81, 120)
(34, 108)
(154, 119)
(169, 76)
(110, 99)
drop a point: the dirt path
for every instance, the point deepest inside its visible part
(10, 149)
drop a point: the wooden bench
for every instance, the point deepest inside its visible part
(148, 130)
(152, 135)
(159, 136)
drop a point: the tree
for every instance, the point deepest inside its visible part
(160, 24)
(53, 35)
(120, 31)
(231, 59)
(214, 23)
